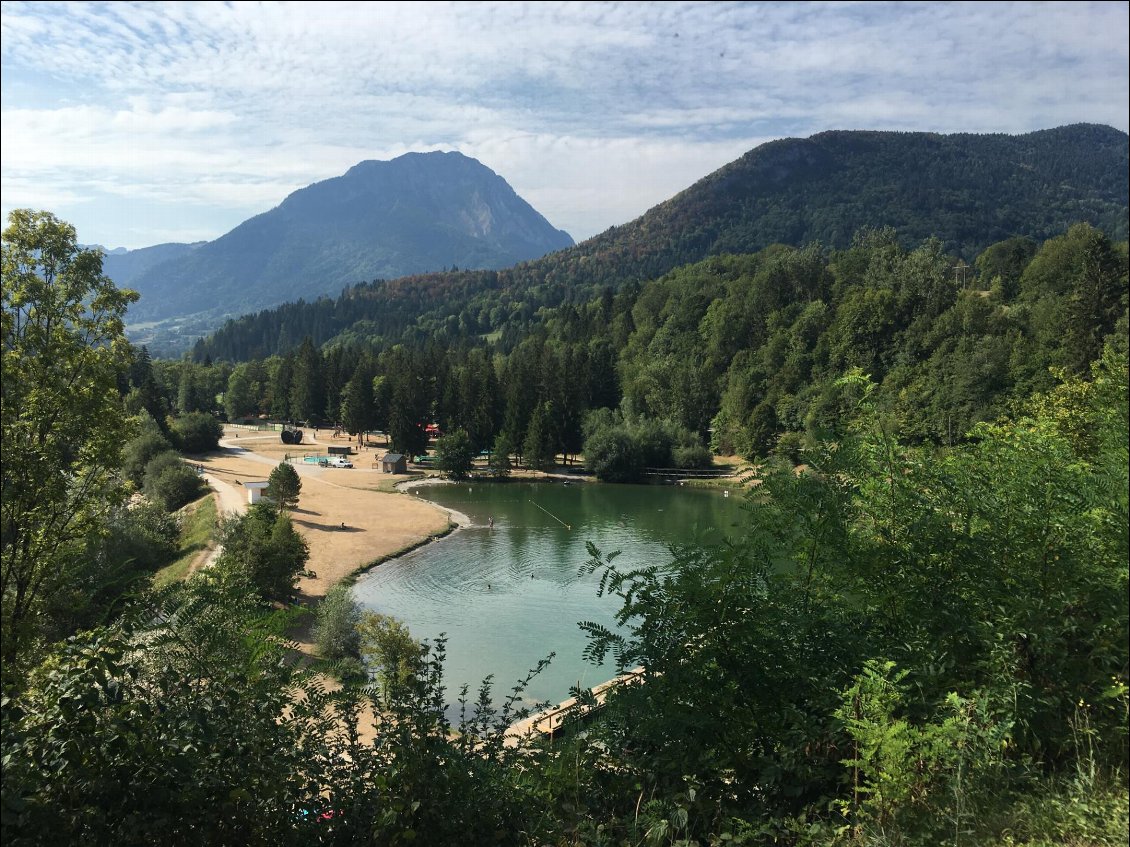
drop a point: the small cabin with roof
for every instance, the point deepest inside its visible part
(394, 463)
(255, 491)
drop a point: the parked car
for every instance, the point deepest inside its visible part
(337, 462)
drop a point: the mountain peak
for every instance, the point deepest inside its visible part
(417, 213)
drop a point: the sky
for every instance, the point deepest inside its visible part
(144, 123)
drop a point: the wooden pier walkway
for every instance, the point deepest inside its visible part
(551, 721)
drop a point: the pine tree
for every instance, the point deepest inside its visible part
(284, 486)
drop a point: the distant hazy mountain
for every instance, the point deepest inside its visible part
(418, 213)
(124, 266)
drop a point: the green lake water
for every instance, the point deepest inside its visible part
(510, 595)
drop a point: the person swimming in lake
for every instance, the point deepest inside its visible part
(490, 522)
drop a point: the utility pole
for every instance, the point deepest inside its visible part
(960, 268)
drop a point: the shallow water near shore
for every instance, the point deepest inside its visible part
(506, 596)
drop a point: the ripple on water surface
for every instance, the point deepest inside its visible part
(507, 596)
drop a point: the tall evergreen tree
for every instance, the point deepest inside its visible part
(411, 404)
(1096, 301)
(357, 411)
(307, 390)
(540, 447)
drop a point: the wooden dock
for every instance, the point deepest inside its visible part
(551, 722)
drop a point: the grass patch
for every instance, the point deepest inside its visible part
(387, 482)
(198, 526)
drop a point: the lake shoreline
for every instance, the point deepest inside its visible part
(507, 598)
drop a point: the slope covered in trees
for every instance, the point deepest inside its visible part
(741, 352)
(968, 191)
(903, 644)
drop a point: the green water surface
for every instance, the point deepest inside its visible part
(510, 595)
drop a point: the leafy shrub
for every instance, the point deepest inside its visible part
(612, 455)
(790, 445)
(455, 453)
(138, 452)
(197, 432)
(390, 651)
(618, 451)
(335, 629)
(263, 548)
(692, 456)
(170, 482)
(145, 534)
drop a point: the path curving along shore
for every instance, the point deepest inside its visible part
(348, 521)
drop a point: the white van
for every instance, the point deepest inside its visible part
(336, 462)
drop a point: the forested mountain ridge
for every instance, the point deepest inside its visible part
(127, 265)
(744, 353)
(968, 191)
(419, 212)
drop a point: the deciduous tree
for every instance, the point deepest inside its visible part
(63, 423)
(263, 548)
(454, 453)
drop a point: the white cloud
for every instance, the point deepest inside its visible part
(593, 112)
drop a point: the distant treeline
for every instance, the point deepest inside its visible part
(744, 350)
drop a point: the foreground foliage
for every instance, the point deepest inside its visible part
(904, 642)
(62, 422)
(906, 647)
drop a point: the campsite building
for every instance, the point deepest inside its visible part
(394, 463)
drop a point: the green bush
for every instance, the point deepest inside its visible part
(170, 482)
(790, 445)
(263, 548)
(692, 456)
(455, 453)
(137, 541)
(618, 451)
(613, 456)
(388, 648)
(138, 452)
(197, 432)
(145, 534)
(335, 628)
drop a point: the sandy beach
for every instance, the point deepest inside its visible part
(350, 517)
